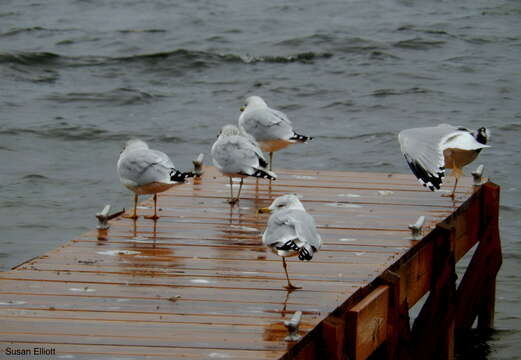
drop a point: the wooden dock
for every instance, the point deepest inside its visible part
(198, 284)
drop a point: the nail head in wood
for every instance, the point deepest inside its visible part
(292, 326)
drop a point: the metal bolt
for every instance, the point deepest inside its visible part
(416, 228)
(292, 326)
(198, 165)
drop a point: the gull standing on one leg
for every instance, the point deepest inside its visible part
(146, 171)
(235, 155)
(269, 127)
(291, 231)
(431, 150)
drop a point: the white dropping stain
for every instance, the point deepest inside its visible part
(13, 302)
(122, 300)
(349, 195)
(385, 192)
(304, 177)
(359, 253)
(347, 239)
(244, 228)
(86, 289)
(344, 205)
(142, 240)
(200, 281)
(118, 252)
(216, 355)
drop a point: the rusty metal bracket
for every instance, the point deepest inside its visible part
(292, 326)
(416, 228)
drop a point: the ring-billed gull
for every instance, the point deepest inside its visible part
(235, 155)
(431, 150)
(145, 171)
(269, 127)
(291, 231)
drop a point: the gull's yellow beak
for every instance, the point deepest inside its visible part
(263, 211)
(242, 108)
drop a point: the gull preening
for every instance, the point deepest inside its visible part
(269, 127)
(431, 150)
(146, 171)
(236, 155)
(291, 231)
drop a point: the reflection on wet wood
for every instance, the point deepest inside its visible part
(199, 284)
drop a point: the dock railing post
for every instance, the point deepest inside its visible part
(491, 213)
(477, 289)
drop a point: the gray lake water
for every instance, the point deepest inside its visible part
(78, 78)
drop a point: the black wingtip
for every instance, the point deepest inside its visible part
(300, 138)
(264, 174)
(427, 179)
(179, 176)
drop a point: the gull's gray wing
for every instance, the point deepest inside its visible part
(144, 166)
(423, 149)
(288, 225)
(236, 154)
(266, 124)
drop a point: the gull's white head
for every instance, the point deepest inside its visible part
(286, 202)
(254, 102)
(134, 144)
(229, 130)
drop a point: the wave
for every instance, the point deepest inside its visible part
(433, 31)
(192, 58)
(28, 58)
(119, 96)
(68, 132)
(419, 43)
(364, 137)
(31, 29)
(390, 92)
(510, 127)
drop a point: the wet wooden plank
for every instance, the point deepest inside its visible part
(151, 287)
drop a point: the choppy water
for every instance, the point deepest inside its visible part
(77, 78)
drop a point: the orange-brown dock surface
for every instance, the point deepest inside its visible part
(199, 284)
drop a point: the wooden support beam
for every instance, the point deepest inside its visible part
(333, 338)
(367, 324)
(433, 329)
(398, 343)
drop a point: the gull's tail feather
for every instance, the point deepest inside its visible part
(300, 138)
(179, 176)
